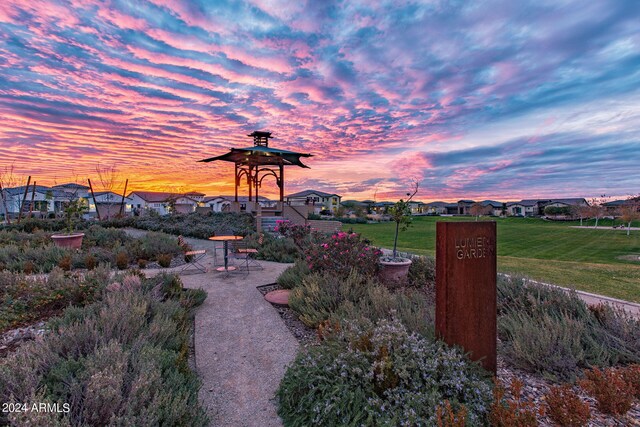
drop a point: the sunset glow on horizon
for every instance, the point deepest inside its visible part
(477, 100)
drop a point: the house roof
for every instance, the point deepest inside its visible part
(570, 201)
(306, 193)
(39, 189)
(101, 193)
(232, 198)
(492, 203)
(72, 185)
(157, 197)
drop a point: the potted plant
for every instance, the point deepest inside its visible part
(73, 208)
(395, 268)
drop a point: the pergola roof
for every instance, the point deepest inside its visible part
(260, 155)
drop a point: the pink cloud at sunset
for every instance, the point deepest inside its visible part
(492, 100)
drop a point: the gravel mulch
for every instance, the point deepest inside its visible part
(535, 388)
(305, 335)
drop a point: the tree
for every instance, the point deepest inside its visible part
(629, 212)
(7, 180)
(596, 209)
(401, 214)
(109, 180)
(478, 209)
(581, 211)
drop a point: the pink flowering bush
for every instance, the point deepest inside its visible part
(300, 234)
(342, 252)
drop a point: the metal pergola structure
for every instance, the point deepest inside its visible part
(258, 162)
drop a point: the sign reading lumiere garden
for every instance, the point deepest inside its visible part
(466, 288)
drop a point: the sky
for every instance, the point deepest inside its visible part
(472, 99)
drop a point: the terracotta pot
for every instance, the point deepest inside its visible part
(394, 271)
(72, 241)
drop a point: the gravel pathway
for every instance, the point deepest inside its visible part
(242, 346)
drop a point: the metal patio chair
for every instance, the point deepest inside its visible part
(193, 258)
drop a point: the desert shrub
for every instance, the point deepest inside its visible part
(122, 260)
(198, 225)
(65, 263)
(322, 294)
(613, 394)
(164, 260)
(294, 275)
(342, 252)
(631, 375)
(28, 267)
(278, 250)
(553, 332)
(152, 244)
(446, 417)
(104, 237)
(120, 361)
(414, 308)
(142, 263)
(24, 299)
(514, 410)
(422, 272)
(543, 344)
(90, 261)
(22, 239)
(566, 408)
(383, 376)
(623, 327)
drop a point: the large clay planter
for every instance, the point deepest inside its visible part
(72, 241)
(394, 271)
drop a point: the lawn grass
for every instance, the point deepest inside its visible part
(592, 260)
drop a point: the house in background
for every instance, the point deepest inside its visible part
(161, 203)
(563, 203)
(223, 203)
(523, 208)
(108, 204)
(381, 207)
(215, 203)
(493, 207)
(198, 197)
(319, 199)
(40, 199)
(464, 207)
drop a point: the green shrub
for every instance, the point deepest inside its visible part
(383, 376)
(152, 244)
(24, 299)
(278, 250)
(201, 226)
(293, 276)
(322, 294)
(550, 331)
(422, 272)
(120, 361)
(414, 308)
(105, 237)
(544, 344)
